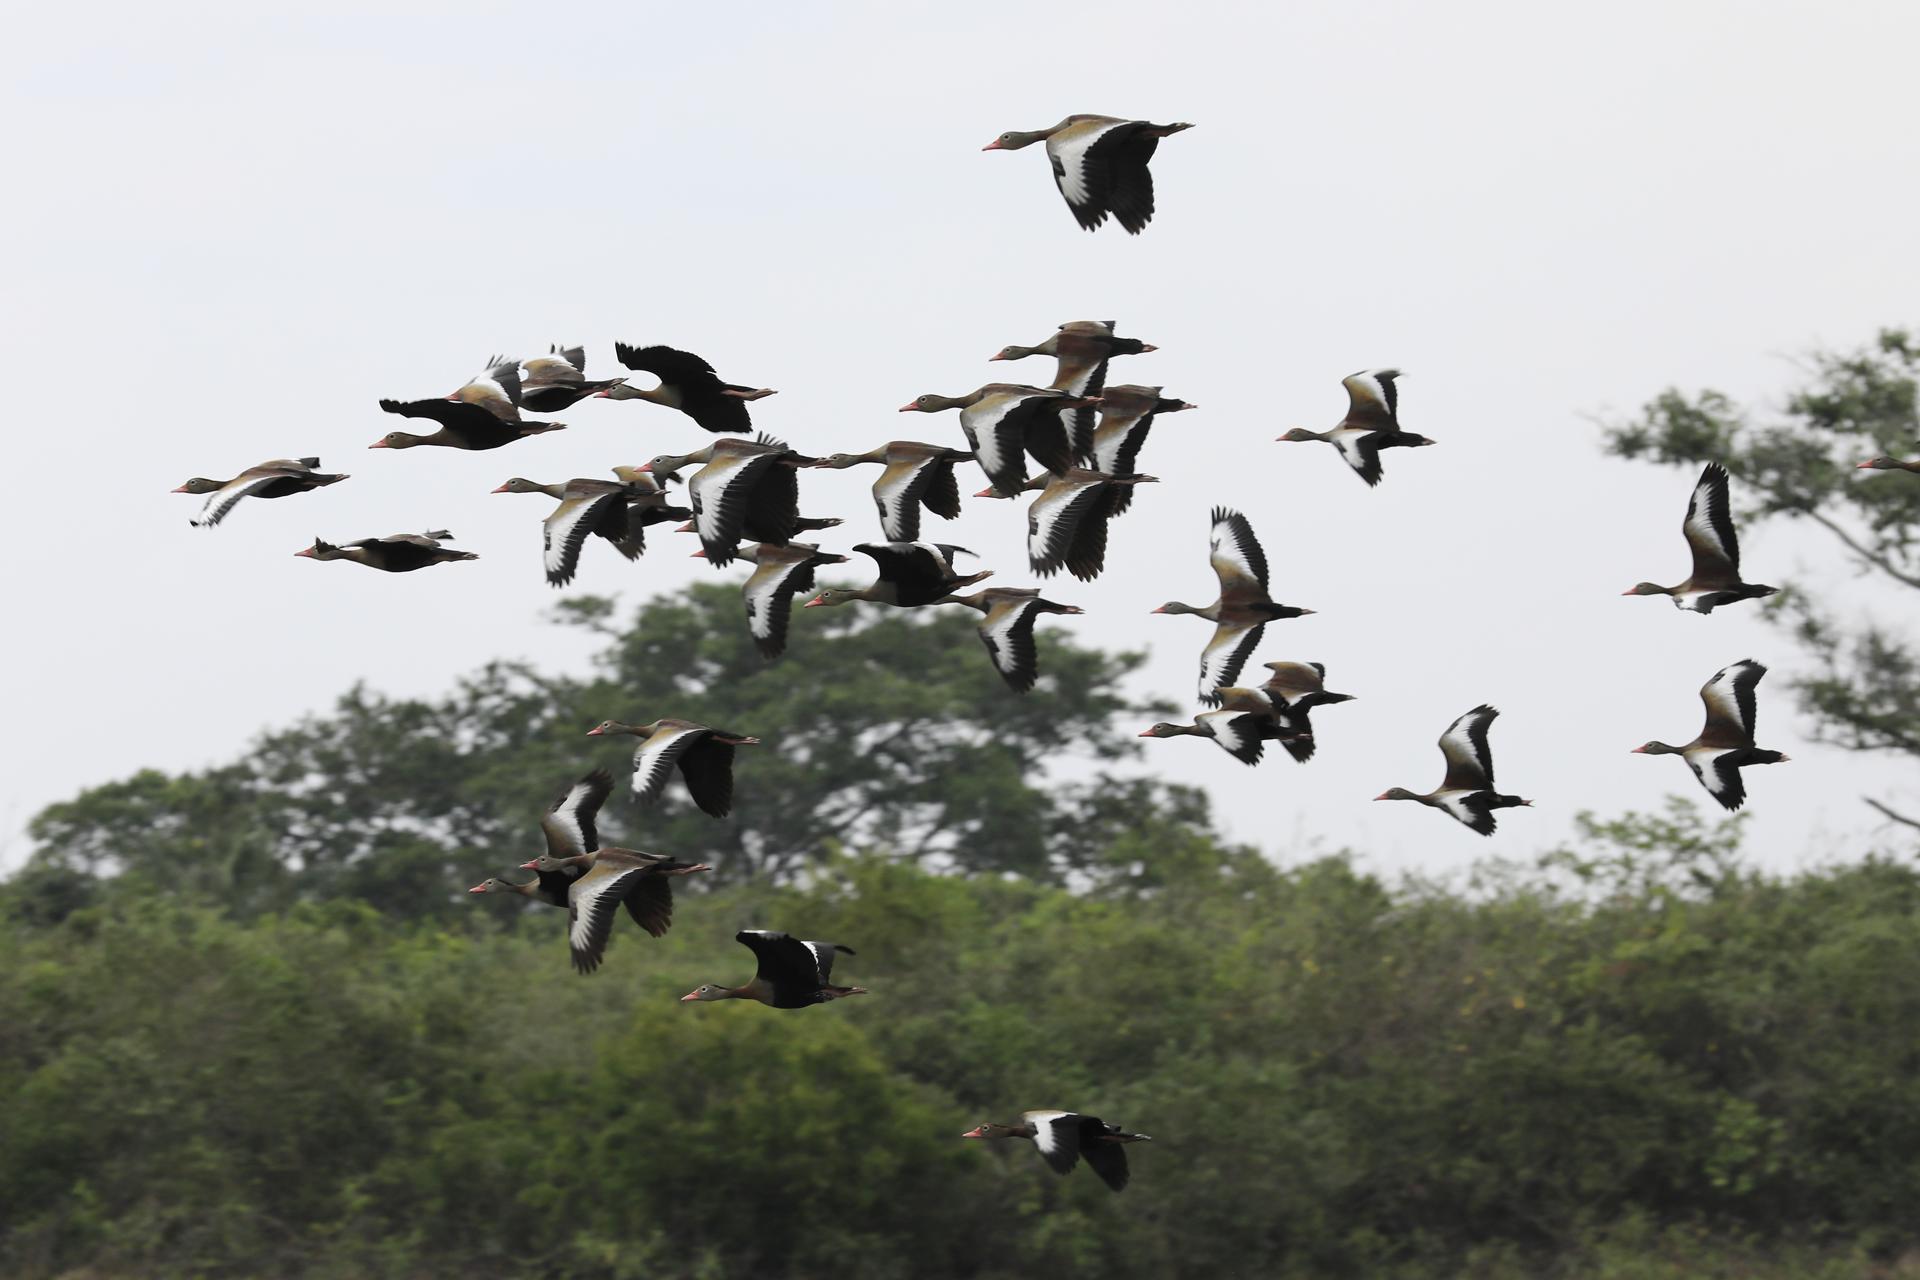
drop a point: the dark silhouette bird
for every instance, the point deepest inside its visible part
(689, 384)
(1063, 1137)
(792, 974)
(397, 553)
(482, 414)
(911, 574)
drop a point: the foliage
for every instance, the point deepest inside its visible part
(885, 728)
(1643, 1059)
(1863, 693)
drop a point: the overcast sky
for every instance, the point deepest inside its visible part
(233, 230)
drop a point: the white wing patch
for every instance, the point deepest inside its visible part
(890, 495)
(1225, 654)
(594, 899)
(653, 762)
(1068, 149)
(1347, 441)
(561, 532)
(763, 595)
(1044, 1136)
(221, 500)
(566, 816)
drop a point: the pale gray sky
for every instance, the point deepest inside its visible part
(233, 230)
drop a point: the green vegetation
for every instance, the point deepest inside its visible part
(1864, 690)
(1639, 1060)
(251, 1025)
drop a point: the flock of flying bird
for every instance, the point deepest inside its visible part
(1085, 438)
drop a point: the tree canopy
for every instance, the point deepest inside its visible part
(884, 729)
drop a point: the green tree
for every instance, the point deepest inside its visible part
(883, 729)
(1802, 465)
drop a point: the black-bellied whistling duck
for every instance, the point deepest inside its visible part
(911, 574)
(780, 571)
(609, 877)
(551, 382)
(1245, 722)
(1243, 608)
(704, 754)
(1372, 423)
(739, 478)
(792, 974)
(272, 479)
(1003, 419)
(1100, 165)
(916, 475)
(1466, 794)
(1007, 615)
(1725, 743)
(1296, 689)
(1081, 349)
(1126, 416)
(689, 384)
(1067, 523)
(586, 506)
(1062, 1137)
(569, 830)
(1885, 463)
(398, 553)
(482, 414)
(1708, 528)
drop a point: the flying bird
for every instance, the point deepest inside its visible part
(780, 572)
(791, 974)
(1243, 608)
(704, 754)
(689, 384)
(1372, 423)
(1062, 1137)
(569, 830)
(558, 379)
(397, 553)
(1466, 794)
(916, 475)
(1242, 726)
(608, 878)
(911, 574)
(482, 414)
(1067, 523)
(1100, 165)
(1003, 420)
(1127, 413)
(1296, 688)
(1725, 743)
(1007, 615)
(616, 510)
(1708, 528)
(744, 488)
(275, 478)
(1081, 349)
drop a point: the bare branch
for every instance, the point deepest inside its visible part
(1873, 558)
(1897, 817)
